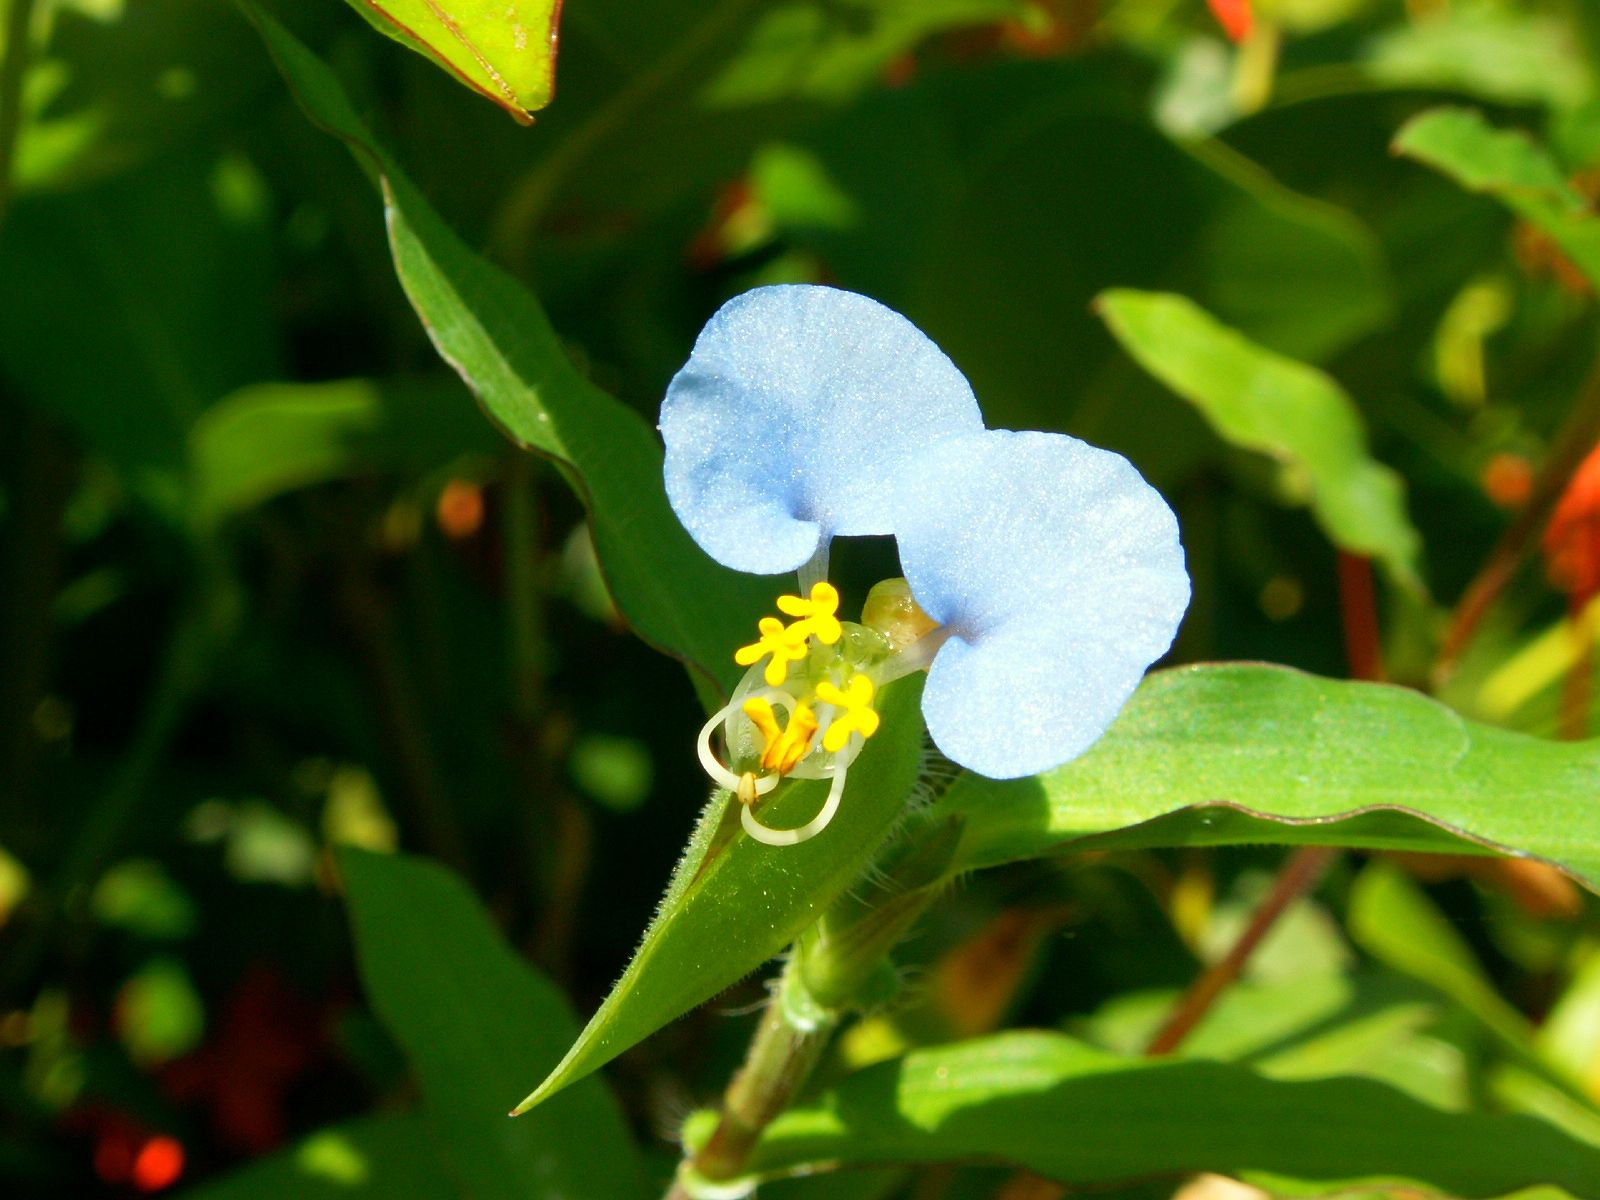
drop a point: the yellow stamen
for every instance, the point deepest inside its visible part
(782, 749)
(857, 716)
(784, 645)
(817, 613)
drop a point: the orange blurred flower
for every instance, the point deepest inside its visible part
(1572, 539)
(1235, 16)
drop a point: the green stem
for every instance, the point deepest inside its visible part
(785, 1050)
(13, 67)
(837, 966)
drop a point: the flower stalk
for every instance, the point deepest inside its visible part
(839, 965)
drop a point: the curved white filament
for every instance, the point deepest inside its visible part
(802, 833)
(720, 774)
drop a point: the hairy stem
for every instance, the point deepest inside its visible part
(781, 1057)
(834, 965)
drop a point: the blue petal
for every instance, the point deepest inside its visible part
(1058, 570)
(794, 414)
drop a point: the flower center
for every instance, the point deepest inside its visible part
(810, 719)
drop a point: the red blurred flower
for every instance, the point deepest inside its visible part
(1235, 16)
(267, 1039)
(1572, 539)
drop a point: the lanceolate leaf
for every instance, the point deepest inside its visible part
(1510, 166)
(1080, 1116)
(495, 334)
(1232, 754)
(733, 903)
(1266, 402)
(502, 49)
(474, 1019)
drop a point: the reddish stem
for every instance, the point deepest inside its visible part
(1303, 871)
(1358, 610)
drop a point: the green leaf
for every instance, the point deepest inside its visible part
(1080, 1116)
(495, 334)
(270, 438)
(375, 1158)
(475, 1020)
(502, 49)
(1394, 921)
(1494, 53)
(131, 307)
(804, 48)
(733, 902)
(1513, 168)
(1265, 402)
(1236, 754)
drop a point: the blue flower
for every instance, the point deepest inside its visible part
(796, 412)
(1045, 575)
(1056, 577)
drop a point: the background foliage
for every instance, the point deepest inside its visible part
(350, 657)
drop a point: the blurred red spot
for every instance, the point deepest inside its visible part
(1235, 17)
(1572, 539)
(460, 509)
(159, 1164)
(1507, 479)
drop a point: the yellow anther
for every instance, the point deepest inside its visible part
(747, 789)
(782, 749)
(857, 715)
(785, 646)
(817, 613)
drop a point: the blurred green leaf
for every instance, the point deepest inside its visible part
(375, 1158)
(992, 203)
(504, 50)
(475, 1021)
(130, 307)
(139, 895)
(1570, 1034)
(1490, 51)
(1394, 921)
(495, 334)
(1235, 754)
(1080, 1116)
(117, 83)
(827, 51)
(271, 438)
(160, 1016)
(1290, 411)
(616, 771)
(1513, 168)
(733, 902)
